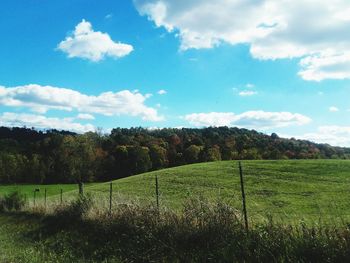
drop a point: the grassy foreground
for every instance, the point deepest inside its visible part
(201, 232)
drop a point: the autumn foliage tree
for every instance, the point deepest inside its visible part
(31, 156)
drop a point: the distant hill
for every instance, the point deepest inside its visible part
(31, 156)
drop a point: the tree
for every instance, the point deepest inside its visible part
(77, 158)
(158, 157)
(122, 162)
(212, 154)
(191, 153)
(139, 159)
(36, 170)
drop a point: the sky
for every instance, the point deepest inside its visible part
(269, 65)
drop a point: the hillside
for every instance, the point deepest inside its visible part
(286, 189)
(302, 193)
(290, 190)
(30, 156)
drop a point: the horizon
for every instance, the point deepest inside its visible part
(264, 66)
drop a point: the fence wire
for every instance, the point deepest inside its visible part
(285, 191)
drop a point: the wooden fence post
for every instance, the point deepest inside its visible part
(157, 192)
(35, 191)
(110, 197)
(243, 196)
(61, 196)
(45, 197)
(81, 188)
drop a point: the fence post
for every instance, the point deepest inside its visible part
(61, 196)
(35, 191)
(81, 188)
(157, 192)
(110, 197)
(243, 196)
(45, 197)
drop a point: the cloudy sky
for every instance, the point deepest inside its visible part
(271, 65)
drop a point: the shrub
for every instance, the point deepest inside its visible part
(76, 210)
(12, 202)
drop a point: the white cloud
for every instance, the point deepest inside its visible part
(162, 92)
(333, 135)
(316, 32)
(43, 98)
(93, 45)
(249, 119)
(326, 66)
(10, 119)
(250, 86)
(85, 116)
(108, 16)
(333, 109)
(246, 93)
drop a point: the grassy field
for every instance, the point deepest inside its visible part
(310, 190)
(29, 189)
(21, 241)
(310, 195)
(291, 190)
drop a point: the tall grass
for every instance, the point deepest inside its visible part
(202, 231)
(14, 201)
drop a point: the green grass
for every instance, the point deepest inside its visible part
(16, 246)
(51, 190)
(291, 190)
(311, 195)
(203, 232)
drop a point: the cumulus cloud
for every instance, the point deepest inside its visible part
(332, 134)
(85, 116)
(162, 92)
(246, 93)
(249, 119)
(10, 119)
(314, 31)
(333, 109)
(86, 43)
(43, 98)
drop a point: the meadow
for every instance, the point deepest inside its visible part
(290, 191)
(298, 211)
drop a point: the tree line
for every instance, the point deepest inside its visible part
(33, 156)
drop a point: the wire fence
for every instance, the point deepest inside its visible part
(282, 191)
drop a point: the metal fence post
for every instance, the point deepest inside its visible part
(243, 196)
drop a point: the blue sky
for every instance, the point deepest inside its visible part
(261, 65)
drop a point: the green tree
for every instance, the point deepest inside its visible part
(212, 154)
(36, 170)
(139, 159)
(158, 157)
(191, 153)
